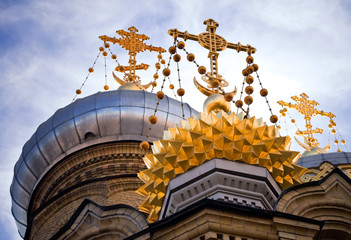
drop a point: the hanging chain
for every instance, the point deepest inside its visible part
(91, 70)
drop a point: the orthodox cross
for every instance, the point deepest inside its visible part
(134, 43)
(307, 108)
(214, 43)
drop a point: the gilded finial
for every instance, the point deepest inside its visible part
(214, 43)
(134, 43)
(308, 109)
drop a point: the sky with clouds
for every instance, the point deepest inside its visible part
(47, 47)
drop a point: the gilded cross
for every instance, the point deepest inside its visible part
(307, 108)
(214, 43)
(134, 43)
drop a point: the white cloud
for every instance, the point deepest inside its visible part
(302, 47)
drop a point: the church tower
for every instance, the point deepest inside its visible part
(89, 172)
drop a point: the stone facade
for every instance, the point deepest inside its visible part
(105, 174)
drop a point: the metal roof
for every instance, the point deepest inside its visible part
(335, 158)
(103, 117)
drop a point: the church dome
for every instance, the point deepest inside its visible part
(335, 158)
(120, 115)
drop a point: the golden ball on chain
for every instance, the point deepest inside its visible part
(333, 131)
(273, 119)
(172, 50)
(78, 91)
(255, 67)
(158, 66)
(214, 83)
(160, 95)
(283, 114)
(101, 49)
(336, 141)
(114, 56)
(245, 72)
(154, 84)
(330, 126)
(153, 119)
(279, 127)
(339, 150)
(155, 76)
(248, 100)
(293, 120)
(159, 56)
(104, 54)
(249, 90)
(190, 57)
(91, 70)
(176, 58)
(171, 86)
(180, 92)
(239, 103)
(106, 87)
(249, 59)
(202, 70)
(250, 69)
(144, 145)
(343, 141)
(249, 79)
(166, 72)
(264, 92)
(328, 147)
(228, 97)
(107, 45)
(163, 61)
(181, 45)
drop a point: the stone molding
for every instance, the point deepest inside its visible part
(224, 180)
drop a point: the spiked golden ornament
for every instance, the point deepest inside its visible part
(215, 136)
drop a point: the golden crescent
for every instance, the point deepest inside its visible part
(234, 91)
(202, 89)
(146, 86)
(120, 81)
(303, 145)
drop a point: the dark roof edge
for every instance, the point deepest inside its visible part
(216, 204)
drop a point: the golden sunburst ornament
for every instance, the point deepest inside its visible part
(220, 135)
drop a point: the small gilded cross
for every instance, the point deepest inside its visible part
(134, 43)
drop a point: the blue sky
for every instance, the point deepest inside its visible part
(47, 47)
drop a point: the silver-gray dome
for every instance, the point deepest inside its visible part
(99, 118)
(335, 158)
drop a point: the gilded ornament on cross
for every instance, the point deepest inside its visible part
(307, 108)
(214, 43)
(134, 44)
